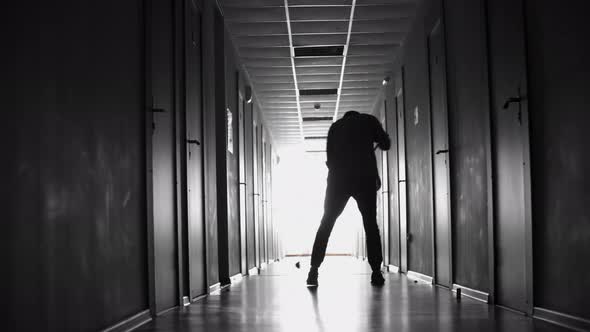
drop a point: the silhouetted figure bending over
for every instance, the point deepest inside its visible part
(352, 172)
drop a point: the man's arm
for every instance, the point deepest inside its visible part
(381, 137)
(329, 147)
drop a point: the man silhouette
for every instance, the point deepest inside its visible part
(352, 173)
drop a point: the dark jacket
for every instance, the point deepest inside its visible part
(350, 146)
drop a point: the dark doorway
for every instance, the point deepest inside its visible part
(510, 154)
(194, 152)
(440, 148)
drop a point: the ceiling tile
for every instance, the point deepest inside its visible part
(258, 29)
(319, 14)
(319, 40)
(262, 14)
(319, 27)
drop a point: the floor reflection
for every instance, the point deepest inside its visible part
(278, 300)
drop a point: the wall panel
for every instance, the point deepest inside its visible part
(559, 102)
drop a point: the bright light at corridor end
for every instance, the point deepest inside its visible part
(299, 185)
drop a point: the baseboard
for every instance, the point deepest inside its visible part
(131, 323)
(214, 288)
(420, 277)
(237, 278)
(472, 293)
(253, 271)
(199, 298)
(163, 312)
(561, 319)
(392, 268)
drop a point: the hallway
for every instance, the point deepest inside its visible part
(159, 151)
(277, 300)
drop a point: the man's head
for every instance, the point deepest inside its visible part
(351, 113)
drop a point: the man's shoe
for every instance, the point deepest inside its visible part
(312, 278)
(377, 279)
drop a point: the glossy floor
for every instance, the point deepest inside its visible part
(278, 300)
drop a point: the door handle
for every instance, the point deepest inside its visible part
(158, 110)
(400, 181)
(442, 151)
(510, 101)
(193, 141)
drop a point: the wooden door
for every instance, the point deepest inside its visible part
(402, 186)
(194, 152)
(242, 187)
(511, 168)
(165, 242)
(440, 157)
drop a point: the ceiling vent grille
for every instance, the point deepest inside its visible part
(317, 118)
(318, 92)
(319, 51)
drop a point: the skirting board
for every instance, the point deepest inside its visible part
(214, 288)
(565, 320)
(237, 278)
(253, 271)
(131, 323)
(472, 293)
(392, 268)
(419, 276)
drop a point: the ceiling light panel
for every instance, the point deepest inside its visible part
(318, 85)
(316, 119)
(319, 51)
(317, 92)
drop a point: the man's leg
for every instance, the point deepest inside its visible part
(334, 204)
(366, 199)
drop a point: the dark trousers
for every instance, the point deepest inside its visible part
(338, 191)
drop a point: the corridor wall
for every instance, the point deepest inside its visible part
(76, 213)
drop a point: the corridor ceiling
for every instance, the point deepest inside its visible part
(288, 47)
